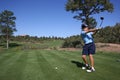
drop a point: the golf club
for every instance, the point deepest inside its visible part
(100, 27)
(101, 18)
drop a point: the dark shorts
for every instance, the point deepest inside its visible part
(88, 49)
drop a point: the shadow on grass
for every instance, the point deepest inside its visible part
(11, 45)
(77, 63)
(1, 44)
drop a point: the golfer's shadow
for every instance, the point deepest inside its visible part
(77, 63)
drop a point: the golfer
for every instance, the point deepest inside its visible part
(89, 47)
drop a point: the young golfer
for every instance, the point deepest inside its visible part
(89, 47)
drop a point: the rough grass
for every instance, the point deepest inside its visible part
(46, 44)
(41, 65)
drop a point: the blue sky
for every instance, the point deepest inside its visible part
(49, 17)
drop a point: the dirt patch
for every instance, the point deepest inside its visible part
(109, 47)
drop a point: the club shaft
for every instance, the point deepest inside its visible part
(101, 23)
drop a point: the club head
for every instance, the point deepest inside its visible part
(102, 18)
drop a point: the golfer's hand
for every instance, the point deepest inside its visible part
(98, 28)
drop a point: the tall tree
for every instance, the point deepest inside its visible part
(7, 24)
(85, 8)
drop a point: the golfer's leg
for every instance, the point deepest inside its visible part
(92, 51)
(91, 60)
(84, 59)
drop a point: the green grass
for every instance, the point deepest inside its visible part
(40, 65)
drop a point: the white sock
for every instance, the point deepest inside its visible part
(93, 68)
(86, 64)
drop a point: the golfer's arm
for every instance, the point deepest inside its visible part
(95, 32)
(92, 30)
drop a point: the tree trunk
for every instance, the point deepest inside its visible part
(7, 38)
(7, 44)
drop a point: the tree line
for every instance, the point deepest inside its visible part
(109, 34)
(28, 38)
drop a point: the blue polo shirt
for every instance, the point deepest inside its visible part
(87, 37)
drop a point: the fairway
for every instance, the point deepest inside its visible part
(55, 65)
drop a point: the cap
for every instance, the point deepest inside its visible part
(84, 26)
